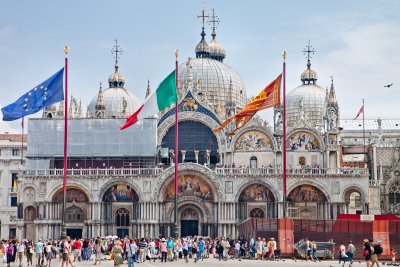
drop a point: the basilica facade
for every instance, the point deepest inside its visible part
(122, 182)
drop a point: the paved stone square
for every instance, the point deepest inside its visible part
(213, 262)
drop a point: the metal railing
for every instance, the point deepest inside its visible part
(221, 171)
(291, 171)
(374, 182)
(96, 172)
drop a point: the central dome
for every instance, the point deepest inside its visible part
(215, 81)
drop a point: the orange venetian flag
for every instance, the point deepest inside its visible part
(268, 97)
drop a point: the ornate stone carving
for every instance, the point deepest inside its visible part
(202, 170)
(42, 188)
(335, 187)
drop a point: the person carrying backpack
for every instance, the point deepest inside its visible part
(375, 255)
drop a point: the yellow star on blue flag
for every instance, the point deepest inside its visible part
(45, 94)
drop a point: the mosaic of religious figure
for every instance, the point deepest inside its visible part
(256, 192)
(73, 195)
(189, 185)
(302, 141)
(306, 193)
(120, 193)
(253, 141)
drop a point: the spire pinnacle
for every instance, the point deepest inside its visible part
(214, 22)
(332, 93)
(116, 50)
(310, 51)
(148, 90)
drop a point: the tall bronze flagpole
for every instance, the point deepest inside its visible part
(284, 54)
(63, 229)
(176, 149)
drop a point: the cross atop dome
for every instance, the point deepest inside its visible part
(310, 50)
(203, 17)
(214, 22)
(116, 50)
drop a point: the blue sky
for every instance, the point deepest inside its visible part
(358, 42)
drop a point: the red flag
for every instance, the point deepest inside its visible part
(268, 97)
(359, 112)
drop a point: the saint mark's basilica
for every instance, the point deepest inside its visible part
(121, 182)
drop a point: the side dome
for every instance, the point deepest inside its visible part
(116, 101)
(306, 103)
(215, 81)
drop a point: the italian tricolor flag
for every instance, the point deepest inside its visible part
(163, 97)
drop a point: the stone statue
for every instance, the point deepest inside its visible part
(302, 112)
(171, 156)
(189, 81)
(220, 110)
(332, 119)
(279, 123)
(207, 157)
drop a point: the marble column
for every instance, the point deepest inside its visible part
(183, 155)
(196, 155)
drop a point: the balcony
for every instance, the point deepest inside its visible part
(220, 171)
(95, 172)
(265, 172)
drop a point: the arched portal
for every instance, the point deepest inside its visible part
(122, 222)
(196, 196)
(197, 143)
(189, 220)
(76, 210)
(307, 202)
(354, 201)
(120, 205)
(256, 197)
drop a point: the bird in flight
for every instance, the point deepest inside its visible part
(388, 86)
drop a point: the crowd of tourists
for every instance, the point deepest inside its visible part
(127, 250)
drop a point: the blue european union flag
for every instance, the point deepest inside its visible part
(45, 94)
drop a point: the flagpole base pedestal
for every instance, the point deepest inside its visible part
(176, 230)
(63, 231)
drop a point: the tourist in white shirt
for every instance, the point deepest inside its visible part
(21, 252)
(131, 252)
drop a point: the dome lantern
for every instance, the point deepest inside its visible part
(202, 49)
(116, 79)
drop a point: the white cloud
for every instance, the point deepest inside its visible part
(367, 60)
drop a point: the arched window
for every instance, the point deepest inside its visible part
(394, 193)
(30, 214)
(253, 162)
(257, 213)
(122, 217)
(193, 136)
(74, 214)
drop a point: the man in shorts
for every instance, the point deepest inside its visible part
(66, 251)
